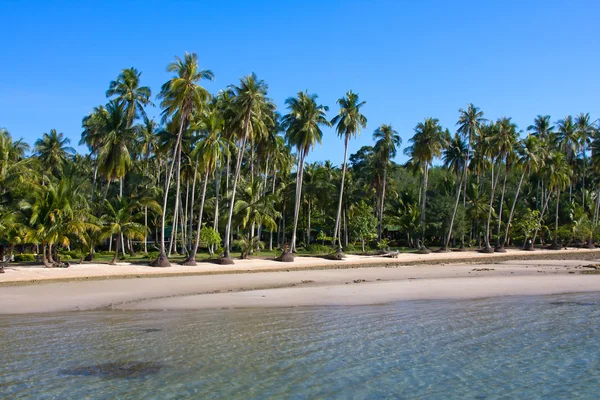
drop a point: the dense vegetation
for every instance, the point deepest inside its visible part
(229, 171)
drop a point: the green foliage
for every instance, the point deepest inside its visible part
(526, 224)
(24, 257)
(248, 245)
(153, 255)
(317, 248)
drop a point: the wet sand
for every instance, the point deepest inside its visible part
(307, 287)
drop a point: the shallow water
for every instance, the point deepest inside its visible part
(513, 347)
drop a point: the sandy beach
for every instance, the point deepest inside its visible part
(354, 281)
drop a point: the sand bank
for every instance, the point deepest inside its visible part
(305, 287)
(90, 271)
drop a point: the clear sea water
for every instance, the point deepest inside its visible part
(499, 348)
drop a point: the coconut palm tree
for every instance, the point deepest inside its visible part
(455, 157)
(348, 123)
(253, 115)
(529, 160)
(53, 151)
(209, 153)
(426, 144)
(119, 219)
(568, 141)
(114, 157)
(128, 93)
(180, 96)
(585, 131)
(303, 130)
(387, 142)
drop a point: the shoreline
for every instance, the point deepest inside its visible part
(33, 275)
(306, 287)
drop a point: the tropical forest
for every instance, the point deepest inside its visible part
(221, 176)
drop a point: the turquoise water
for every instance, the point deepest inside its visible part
(514, 347)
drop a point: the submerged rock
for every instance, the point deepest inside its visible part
(126, 369)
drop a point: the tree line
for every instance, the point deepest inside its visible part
(228, 171)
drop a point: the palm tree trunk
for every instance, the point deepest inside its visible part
(162, 258)
(47, 264)
(116, 256)
(271, 230)
(382, 203)
(489, 219)
(339, 212)
(540, 221)
(235, 181)
(94, 180)
(146, 230)
(191, 215)
(556, 244)
(298, 199)
(176, 218)
(500, 211)
(192, 257)
(424, 202)
(512, 209)
(308, 223)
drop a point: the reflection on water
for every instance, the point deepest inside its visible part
(517, 347)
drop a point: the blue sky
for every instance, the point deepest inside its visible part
(408, 59)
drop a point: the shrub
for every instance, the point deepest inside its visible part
(316, 248)
(153, 255)
(24, 257)
(350, 248)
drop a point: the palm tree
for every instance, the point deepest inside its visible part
(303, 130)
(53, 151)
(530, 161)
(129, 94)
(455, 157)
(469, 124)
(209, 154)
(585, 131)
(181, 96)
(568, 141)
(427, 143)
(119, 219)
(254, 115)
(504, 141)
(387, 142)
(349, 121)
(114, 157)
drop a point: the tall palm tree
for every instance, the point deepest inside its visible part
(530, 161)
(253, 116)
(181, 96)
(348, 123)
(505, 142)
(455, 157)
(303, 130)
(114, 157)
(387, 142)
(585, 131)
(126, 90)
(209, 154)
(470, 122)
(568, 141)
(53, 151)
(426, 144)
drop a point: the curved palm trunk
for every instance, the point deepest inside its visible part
(271, 230)
(235, 182)
(498, 242)
(424, 203)
(540, 221)
(116, 256)
(300, 175)
(512, 209)
(45, 258)
(162, 258)
(382, 202)
(192, 257)
(458, 193)
(489, 219)
(556, 244)
(339, 212)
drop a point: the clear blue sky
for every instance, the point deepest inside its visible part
(407, 59)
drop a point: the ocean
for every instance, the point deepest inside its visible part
(533, 347)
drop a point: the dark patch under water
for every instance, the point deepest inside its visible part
(573, 303)
(150, 330)
(126, 369)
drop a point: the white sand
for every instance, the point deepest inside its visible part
(99, 271)
(302, 287)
